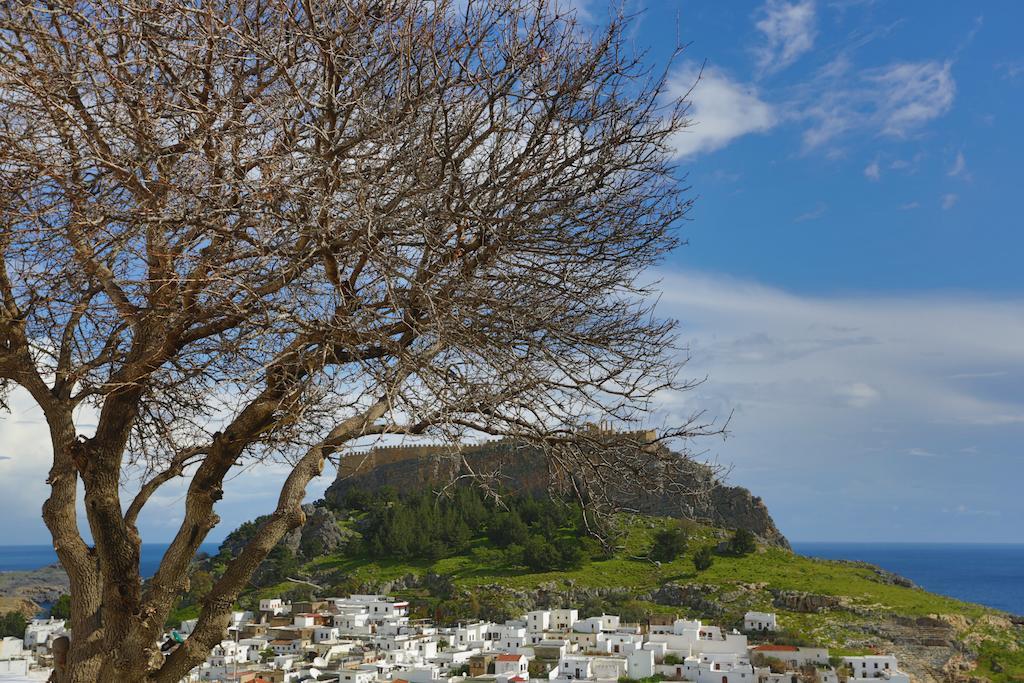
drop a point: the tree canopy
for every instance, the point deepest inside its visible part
(250, 230)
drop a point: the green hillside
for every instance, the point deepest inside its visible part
(458, 561)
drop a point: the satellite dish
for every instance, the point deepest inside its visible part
(314, 673)
(319, 661)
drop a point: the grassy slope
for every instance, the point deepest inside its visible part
(770, 568)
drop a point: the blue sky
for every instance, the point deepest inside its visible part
(852, 286)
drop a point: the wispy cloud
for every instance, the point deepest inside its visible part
(949, 200)
(894, 100)
(813, 214)
(873, 171)
(978, 375)
(958, 167)
(971, 512)
(721, 109)
(910, 206)
(789, 29)
(1011, 70)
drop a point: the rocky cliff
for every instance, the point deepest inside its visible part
(522, 470)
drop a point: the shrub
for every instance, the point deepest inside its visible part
(669, 544)
(742, 542)
(62, 608)
(13, 624)
(703, 559)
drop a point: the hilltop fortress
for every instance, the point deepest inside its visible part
(520, 467)
(378, 456)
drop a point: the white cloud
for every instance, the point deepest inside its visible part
(959, 166)
(949, 200)
(789, 29)
(894, 100)
(831, 394)
(909, 206)
(872, 171)
(860, 395)
(721, 109)
(915, 93)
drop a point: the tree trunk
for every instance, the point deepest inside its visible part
(86, 647)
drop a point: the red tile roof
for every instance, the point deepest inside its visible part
(509, 658)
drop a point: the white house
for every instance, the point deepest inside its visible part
(304, 620)
(640, 664)
(273, 606)
(256, 647)
(608, 668)
(563, 619)
(228, 652)
(421, 674)
(353, 623)
(288, 646)
(622, 643)
(511, 664)
(15, 667)
(605, 622)
(356, 675)
(325, 633)
(239, 618)
(876, 666)
(469, 635)
(538, 621)
(793, 656)
(509, 636)
(695, 638)
(38, 632)
(11, 647)
(574, 667)
(760, 621)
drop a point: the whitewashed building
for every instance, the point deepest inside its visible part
(760, 621)
(876, 666)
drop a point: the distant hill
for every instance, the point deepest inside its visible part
(522, 470)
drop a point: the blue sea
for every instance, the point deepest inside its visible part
(26, 557)
(987, 574)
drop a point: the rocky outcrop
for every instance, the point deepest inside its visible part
(320, 535)
(523, 470)
(798, 601)
(23, 606)
(40, 586)
(697, 597)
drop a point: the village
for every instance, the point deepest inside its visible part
(371, 639)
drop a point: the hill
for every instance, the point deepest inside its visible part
(463, 559)
(522, 469)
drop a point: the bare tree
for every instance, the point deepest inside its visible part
(245, 230)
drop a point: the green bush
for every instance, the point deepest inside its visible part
(704, 558)
(742, 542)
(62, 608)
(13, 624)
(669, 544)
